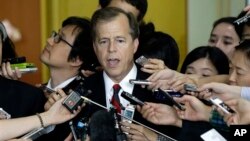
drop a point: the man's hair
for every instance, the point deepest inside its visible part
(82, 45)
(108, 14)
(141, 6)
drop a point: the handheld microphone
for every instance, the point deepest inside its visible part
(120, 136)
(86, 100)
(242, 19)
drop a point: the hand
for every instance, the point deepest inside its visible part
(178, 83)
(58, 113)
(166, 74)
(195, 109)
(153, 65)
(161, 78)
(138, 132)
(53, 97)
(7, 72)
(247, 8)
(242, 115)
(221, 90)
(160, 114)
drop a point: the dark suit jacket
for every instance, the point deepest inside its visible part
(20, 99)
(96, 84)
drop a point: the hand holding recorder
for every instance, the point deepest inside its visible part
(242, 112)
(160, 114)
(195, 110)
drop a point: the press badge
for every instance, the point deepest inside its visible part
(128, 113)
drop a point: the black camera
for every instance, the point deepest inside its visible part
(73, 100)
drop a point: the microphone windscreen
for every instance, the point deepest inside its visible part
(102, 126)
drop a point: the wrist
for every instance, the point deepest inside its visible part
(208, 113)
(179, 123)
(46, 119)
(40, 120)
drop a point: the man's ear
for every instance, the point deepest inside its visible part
(136, 44)
(76, 62)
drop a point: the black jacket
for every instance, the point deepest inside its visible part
(20, 99)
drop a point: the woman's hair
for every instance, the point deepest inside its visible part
(244, 47)
(8, 48)
(159, 45)
(228, 20)
(215, 55)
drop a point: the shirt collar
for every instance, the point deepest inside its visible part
(62, 85)
(125, 85)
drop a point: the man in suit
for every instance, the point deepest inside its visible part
(65, 54)
(115, 39)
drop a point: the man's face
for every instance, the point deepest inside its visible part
(56, 54)
(115, 47)
(239, 70)
(122, 4)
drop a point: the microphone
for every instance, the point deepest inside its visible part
(120, 136)
(102, 126)
(86, 100)
(242, 19)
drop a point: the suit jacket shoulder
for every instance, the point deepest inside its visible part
(20, 99)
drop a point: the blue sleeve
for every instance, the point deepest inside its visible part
(245, 93)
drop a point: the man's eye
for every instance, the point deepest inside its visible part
(102, 42)
(121, 41)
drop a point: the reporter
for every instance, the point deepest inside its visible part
(55, 115)
(203, 61)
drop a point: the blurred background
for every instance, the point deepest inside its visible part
(188, 21)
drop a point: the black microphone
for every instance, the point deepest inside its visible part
(120, 135)
(87, 100)
(242, 19)
(102, 126)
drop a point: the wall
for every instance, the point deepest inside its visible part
(27, 19)
(202, 14)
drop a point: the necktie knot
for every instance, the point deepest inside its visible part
(116, 87)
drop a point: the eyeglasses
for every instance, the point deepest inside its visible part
(57, 38)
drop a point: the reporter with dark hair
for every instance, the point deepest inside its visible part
(161, 50)
(210, 61)
(17, 98)
(137, 7)
(224, 35)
